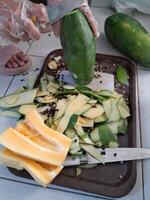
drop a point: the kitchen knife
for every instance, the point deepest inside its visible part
(110, 155)
(56, 12)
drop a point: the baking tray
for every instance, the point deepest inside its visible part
(113, 179)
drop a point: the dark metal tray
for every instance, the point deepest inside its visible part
(111, 180)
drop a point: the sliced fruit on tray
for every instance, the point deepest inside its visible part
(61, 108)
(92, 151)
(95, 137)
(114, 114)
(72, 107)
(86, 116)
(39, 141)
(42, 173)
(123, 108)
(10, 113)
(82, 134)
(83, 109)
(101, 118)
(107, 108)
(85, 122)
(18, 99)
(107, 137)
(25, 109)
(96, 111)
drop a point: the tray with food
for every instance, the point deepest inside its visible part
(90, 118)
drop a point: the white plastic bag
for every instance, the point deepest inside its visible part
(131, 5)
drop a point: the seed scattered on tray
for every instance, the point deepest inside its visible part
(103, 153)
(103, 148)
(115, 154)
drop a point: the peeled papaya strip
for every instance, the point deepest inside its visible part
(36, 141)
(42, 173)
(35, 122)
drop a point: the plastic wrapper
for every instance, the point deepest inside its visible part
(11, 25)
(85, 9)
(22, 19)
(90, 17)
(17, 20)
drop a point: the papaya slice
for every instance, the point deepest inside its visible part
(35, 122)
(33, 139)
(42, 173)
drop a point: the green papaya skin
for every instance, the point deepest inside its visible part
(129, 36)
(79, 46)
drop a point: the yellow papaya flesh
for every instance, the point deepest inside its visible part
(42, 173)
(33, 139)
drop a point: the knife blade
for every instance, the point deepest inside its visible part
(110, 155)
(56, 12)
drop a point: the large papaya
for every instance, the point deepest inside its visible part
(129, 36)
(79, 46)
